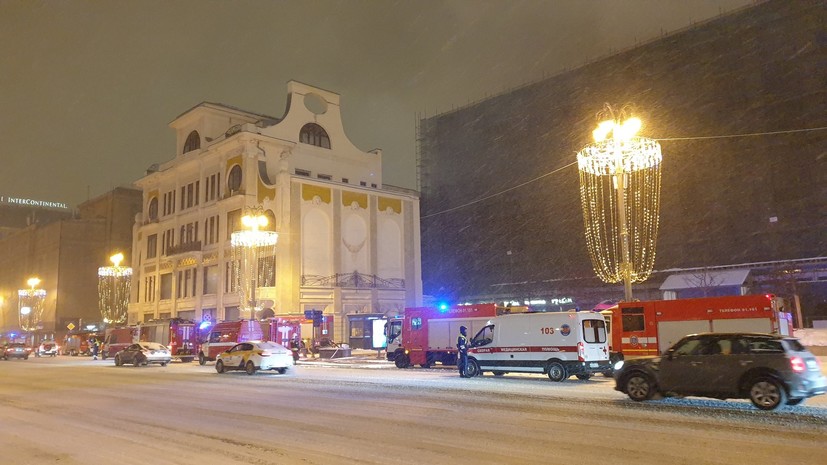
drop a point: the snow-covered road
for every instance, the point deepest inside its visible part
(70, 410)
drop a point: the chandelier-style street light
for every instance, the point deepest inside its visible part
(30, 302)
(250, 247)
(114, 283)
(620, 195)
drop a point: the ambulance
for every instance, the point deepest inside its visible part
(557, 344)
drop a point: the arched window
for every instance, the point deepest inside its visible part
(234, 179)
(193, 142)
(314, 134)
(153, 209)
(271, 220)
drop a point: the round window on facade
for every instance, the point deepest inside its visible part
(153, 209)
(234, 179)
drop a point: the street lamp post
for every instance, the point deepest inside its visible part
(30, 302)
(249, 245)
(620, 196)
(114, 283)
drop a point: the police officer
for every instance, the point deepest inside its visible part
(462, 351)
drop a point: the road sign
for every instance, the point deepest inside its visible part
(70, 326)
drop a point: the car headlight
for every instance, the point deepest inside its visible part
(618, 365)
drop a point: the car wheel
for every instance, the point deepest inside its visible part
(767, 394)
(118, 361)
(557, 372)
(201, 359)
(282, 371)
(163, 364)
(137, 361)
(639, 387)
(402, 361)
(583, 376)
(472, 368)
(26, 357)
(250, 368)
(219, 366)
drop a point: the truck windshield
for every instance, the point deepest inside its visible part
(393, 329)
(594, 331)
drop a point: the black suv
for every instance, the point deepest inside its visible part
(767, 369)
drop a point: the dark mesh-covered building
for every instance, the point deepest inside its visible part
(738, 106)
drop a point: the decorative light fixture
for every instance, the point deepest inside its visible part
(620, 195)
(254, 255)
(114, 283)
(30, 302)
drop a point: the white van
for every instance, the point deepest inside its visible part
(559, 344)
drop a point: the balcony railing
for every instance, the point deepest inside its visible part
(194, 246)
(353, 280)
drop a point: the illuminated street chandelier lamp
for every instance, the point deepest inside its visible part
(254, 252)
(114, 283)
(620, 196)
(31, 305)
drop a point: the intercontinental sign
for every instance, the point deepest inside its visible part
(6, 200)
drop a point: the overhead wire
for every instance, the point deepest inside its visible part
(727, 136)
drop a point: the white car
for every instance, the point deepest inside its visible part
(255, 355)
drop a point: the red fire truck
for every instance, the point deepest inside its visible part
(649, 328)
(281, 330)
(181, 336)
(118, 338)
(426, 335)
(224, 335)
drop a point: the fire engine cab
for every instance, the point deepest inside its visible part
(427, 335)
(223, 336)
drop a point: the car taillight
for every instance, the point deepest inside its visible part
(264, 353)
(581, 352)
(798, 365)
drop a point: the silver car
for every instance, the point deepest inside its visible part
(767, 369)
(144, 353)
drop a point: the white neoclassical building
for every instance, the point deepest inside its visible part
(347, 245)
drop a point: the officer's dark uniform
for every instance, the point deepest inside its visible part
(462, 351)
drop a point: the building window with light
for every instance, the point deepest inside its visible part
(193, 142)
(314, 134)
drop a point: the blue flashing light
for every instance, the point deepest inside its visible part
(443, 306)
(12, 334)
(205, 324)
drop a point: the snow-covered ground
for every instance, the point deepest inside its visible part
(72, 411)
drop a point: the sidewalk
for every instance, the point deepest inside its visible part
(361, 358)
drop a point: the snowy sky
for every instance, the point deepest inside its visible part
(87, 88)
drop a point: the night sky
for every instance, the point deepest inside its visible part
(87, 88)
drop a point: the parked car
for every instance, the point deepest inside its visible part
(769, 370)
(47, 348)
(144, 353)
(255, 355)
(16, 350)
